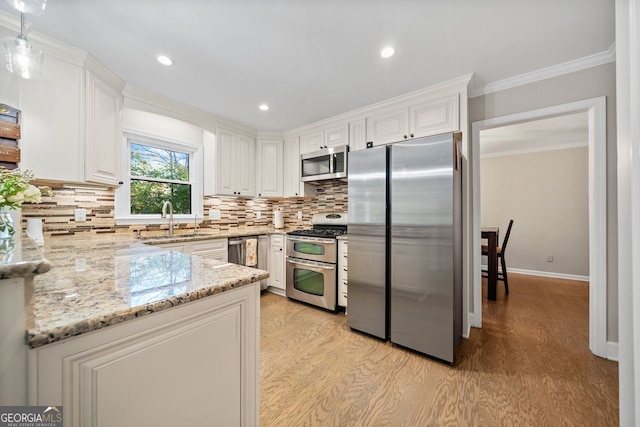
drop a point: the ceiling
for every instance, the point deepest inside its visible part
(312, 59)
(553, 133)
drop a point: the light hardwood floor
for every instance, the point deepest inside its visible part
(530, 365)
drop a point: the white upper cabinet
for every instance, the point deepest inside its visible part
(270, 168)
(246, 165)
(358, 135)
(336, 136)
(52, 122)
(235, 164)
(311, 142)
(388, 126)
(434, 117)
(422, 119)
(103, 132)
(292, 184)
(71, 123)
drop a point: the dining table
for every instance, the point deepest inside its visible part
(491, 234)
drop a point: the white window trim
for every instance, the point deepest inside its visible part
(123, 193)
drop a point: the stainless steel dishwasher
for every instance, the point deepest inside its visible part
(238, 253)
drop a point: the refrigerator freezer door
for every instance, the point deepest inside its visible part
(422, 245)
(367, 274)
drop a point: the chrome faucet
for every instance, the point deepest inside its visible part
(164, 215)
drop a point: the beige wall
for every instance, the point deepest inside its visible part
(590, 83)
(547, 196)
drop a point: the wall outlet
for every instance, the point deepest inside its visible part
(80, 215)
(549, 258)
(258, 214)
(299, 214)
(214, 214)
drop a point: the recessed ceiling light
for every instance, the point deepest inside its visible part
(165, 60)
(387, 52)
(263, 107)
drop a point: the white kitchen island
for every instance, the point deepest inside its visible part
(125, 334)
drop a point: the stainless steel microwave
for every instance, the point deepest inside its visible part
(328, 163)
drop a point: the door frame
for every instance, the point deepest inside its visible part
(597, 115)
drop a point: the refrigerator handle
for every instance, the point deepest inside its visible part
(457, 140)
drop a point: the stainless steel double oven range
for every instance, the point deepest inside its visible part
(312, 260)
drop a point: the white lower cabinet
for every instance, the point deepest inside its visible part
(277, 262)
(215, 248)
(193, 364)
(342, 272)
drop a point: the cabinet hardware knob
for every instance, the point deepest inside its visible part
(120, 182)
(259, 194)
(296, 194)
(411, 135)
(405, 137)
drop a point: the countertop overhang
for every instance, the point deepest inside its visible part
(95, 281)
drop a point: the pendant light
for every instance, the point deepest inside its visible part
(30, 7)
(20, 56)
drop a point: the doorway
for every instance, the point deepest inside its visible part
(596, 112)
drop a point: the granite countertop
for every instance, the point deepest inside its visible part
(24, 259)
(101, 280)
(163, 237)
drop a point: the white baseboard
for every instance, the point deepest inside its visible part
(549, 274)
(612, 351)
(546, 274)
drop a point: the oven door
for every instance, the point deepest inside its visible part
(312, 282)
(312, 248)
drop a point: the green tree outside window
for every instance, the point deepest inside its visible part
(159, 174)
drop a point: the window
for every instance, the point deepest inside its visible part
(159, 170)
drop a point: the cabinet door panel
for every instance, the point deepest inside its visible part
(435, 117)
(311, 142)
(276, 261)
(246, 165)
(213, 367)
(336, 136)
(103, 135)
(270, 169)
(52, 111)
(357, 135)
(225, 161)
(292, 184)
(388, 127)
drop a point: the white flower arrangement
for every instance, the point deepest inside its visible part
(15, 188)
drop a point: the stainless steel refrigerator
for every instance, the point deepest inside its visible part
(405, 244)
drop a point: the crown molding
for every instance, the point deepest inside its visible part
(459, 84)
(594, 60)
(96, 67)
(270, 135)
(538, 149)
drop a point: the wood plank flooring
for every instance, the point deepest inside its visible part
(530, 365)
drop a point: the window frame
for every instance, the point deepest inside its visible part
(123, 213)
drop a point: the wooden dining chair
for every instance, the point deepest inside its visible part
(502, 275)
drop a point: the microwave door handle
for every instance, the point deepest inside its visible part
(332, 163)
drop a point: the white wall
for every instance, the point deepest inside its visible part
(155, 124)
(547, 195)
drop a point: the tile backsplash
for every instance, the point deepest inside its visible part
(57, 210)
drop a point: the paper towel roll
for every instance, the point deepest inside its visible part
(34, 230)
(278, 220)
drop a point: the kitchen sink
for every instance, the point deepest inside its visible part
(164, 238)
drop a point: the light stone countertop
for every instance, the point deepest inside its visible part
(100, 280)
